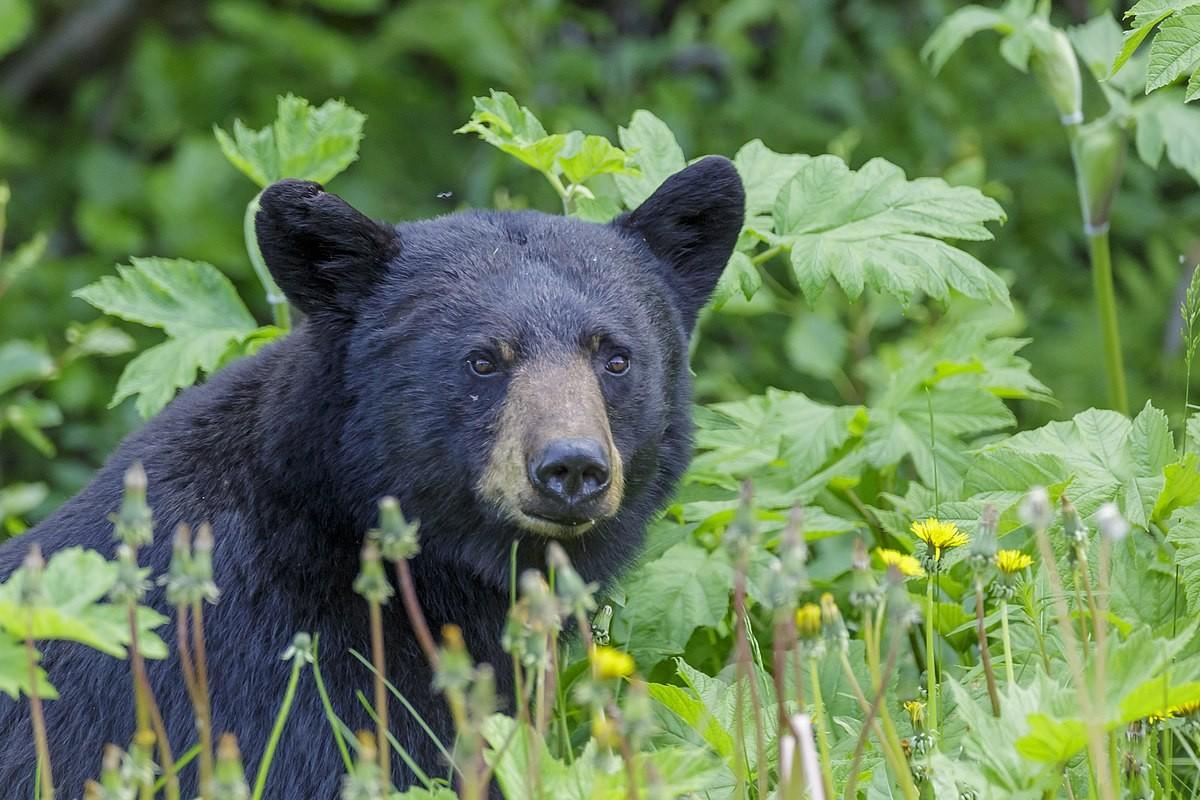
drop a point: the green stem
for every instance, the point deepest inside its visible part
(930, 658)
(1106, 308)
(330, 714)
(264, 766)
(1008, 664)
(820, 725)
(280, 310)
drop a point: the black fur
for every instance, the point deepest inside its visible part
(288, 452)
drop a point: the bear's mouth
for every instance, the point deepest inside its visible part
(554, 527)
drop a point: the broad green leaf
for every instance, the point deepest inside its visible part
(875, 229)
(669, 598)
(590, 156)
(314, 144)
(503, 123)
(596, 209)
(955, 29)
(1164, 124)
(1106, 457)
(74, 584)
(693, 712)
(14, 671)
(23, 362)
(1184, 536)
(1181, 488)
(989, 743)
(740, 276)
(1193, 87)
(764, 172)
(192, 302)
(16, 21)
(1098, 41)
(1175, 50)
(816, 345)
(653, 151)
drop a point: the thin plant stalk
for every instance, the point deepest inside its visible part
(1006, 638)
(745, 669)
(38, 716)
(203, 704)
(1106, 309)
(930, 655)
(381, 698)
(153, 714)
(285, 709)
(416, 616)
(281, 312)
(1095, 741)
(907, 787)
(889, 741)
(327, 705)
(984, 653)
(819, 722)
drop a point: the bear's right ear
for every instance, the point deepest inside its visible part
(323, 253)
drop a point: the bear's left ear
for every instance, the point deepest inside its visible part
(692, 223)
(324, 254)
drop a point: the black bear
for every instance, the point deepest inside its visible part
(509, 376)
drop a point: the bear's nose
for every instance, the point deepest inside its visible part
(570, 471)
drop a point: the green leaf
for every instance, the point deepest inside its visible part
(73, 585)
(23, 362)
(693, 712)
(1098, 41)
(23, 259)
(596, 209)
(18, 499)
(670, 597)
(590, 156)
(503, 123)
(14, 671)
(1184, 536)
(653, 151)
(1181, 488)
(875, 229)
(740, 275)
(314, 144)
(1175, 50)
(956, 29)
(28, 417)
(16, 21)
(192, 302)
(1164, 124)
(764, 172)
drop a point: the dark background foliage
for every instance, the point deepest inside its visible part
(107, 108)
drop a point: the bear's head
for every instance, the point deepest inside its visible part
(510, 376)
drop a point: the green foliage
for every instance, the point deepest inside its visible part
(1175, 48)
(194, 304)
(313, 144)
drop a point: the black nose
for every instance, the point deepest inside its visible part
(570, 471)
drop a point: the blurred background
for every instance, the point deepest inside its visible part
(107, 110)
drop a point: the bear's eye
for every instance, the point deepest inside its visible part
(617, 365)
(481, 365)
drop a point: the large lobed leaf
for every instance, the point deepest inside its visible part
(1175, 49)
(873, 228)
(314, 144)
(72, 607)
(191, 301)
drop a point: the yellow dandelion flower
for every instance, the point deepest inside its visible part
(808, 620)
(939, 536)
(605, 732)
(1171, 712)
(608, 662)
(908, 565)
(1010, 562)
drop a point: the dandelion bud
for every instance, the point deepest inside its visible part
(865, 592)
(111, 779)
(178, 579)
(482, 698)
(545, 615)
(134, 523)
(601, 624)
(1057, 70)
(397, 536)
(982, 553)
(371, 582)
(1073, 527)
(837, 638)
(1100, 158)
(32, 567)
(365, 782)
(229, 777)
(1111, 523)
(131, 584)
(300, 649)
(793, 550)
(743, 530)
(578, 597)
(454, 667)
(202, 565)
(1035, 509)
